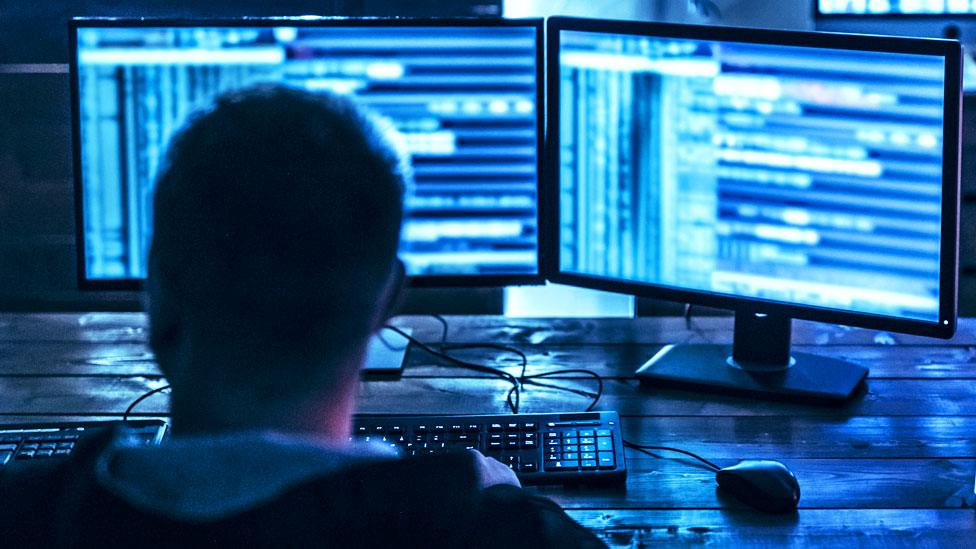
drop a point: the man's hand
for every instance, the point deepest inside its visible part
(492, 472)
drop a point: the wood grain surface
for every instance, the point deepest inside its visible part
(891, 468)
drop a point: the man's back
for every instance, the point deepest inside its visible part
(284, 491)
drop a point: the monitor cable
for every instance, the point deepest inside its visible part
(144, 396)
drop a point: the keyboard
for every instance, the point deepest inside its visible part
(540, 448)
(51, 441)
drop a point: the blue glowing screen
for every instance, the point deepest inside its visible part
(890, 7)
(462, 99)
(798, 175)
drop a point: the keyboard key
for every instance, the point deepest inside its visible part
(561, 465)
(512, 436)
(8, 447)
(605, 460)
(529, 426)
(496, 436)
(588, 455)
(511, 427)
(464, 437)
(439, 428)
(553, 442)
(604, 433)
(473, 427)
(31, 446)
(495, 427)
(421, 429)
(455, 428)
(5, 457)
(571, 440)
(44, 452)
(570, 456)
(529, 444)
(588, 464)
(553, 434)
(570, 434)
(528, 467)
(587, 440)
(10, 438)
(587, 448)
(511, 444)
(25, 454)
(604, 444)
(496, 445)
(361, 430)
(62, 452)
(378, 429)
(529, 436)
(570, 448)
(47, 446)
(396, 429)
(554, 456)
(587, 433)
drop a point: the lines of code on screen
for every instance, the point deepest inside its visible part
(462, 99)
(798, 175)
(889, 7)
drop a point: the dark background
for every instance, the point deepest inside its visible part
(37, 226)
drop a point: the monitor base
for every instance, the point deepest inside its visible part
(808, 377)
(386, 354)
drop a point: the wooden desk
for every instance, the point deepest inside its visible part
(893, 467)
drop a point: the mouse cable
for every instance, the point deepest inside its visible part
(144, 396)
(644, 450)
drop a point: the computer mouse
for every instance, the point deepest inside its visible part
(766, 485)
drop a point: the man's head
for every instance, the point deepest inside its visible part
(276, 225)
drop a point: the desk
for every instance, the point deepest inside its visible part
(893, 467)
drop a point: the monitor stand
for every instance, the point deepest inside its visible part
(386, 353)
(759, 363)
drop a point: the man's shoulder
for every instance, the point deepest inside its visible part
(425, 501)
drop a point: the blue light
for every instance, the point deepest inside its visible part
(790, 174)
(462, 101)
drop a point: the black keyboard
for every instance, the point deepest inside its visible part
(540, 448)
(48, 441)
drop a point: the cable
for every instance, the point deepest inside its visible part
(125, 416)
(644, 450)
(519, 382)
(392, 347)
(514, 406)
(443, 321)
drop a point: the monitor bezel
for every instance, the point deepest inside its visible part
(944, 327)
(422, 281)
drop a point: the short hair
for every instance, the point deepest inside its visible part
(277, 220)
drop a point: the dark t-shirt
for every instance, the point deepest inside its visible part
(415, 502)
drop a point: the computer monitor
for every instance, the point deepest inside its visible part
(779, 174)
(921, 18)
(464, 95)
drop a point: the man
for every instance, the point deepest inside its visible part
(277, 222)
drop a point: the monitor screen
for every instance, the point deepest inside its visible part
(462, 95)
(896, 7)
(804, 176)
